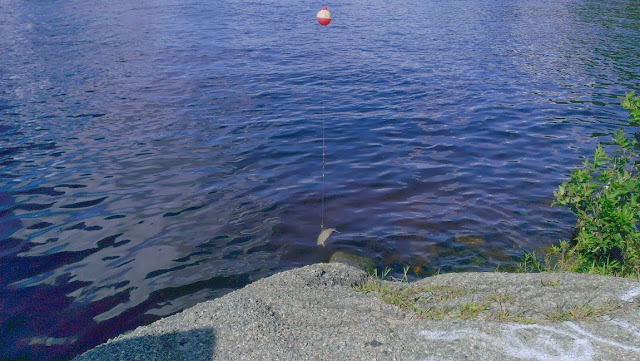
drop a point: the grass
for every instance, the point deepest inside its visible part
(471, 310)
(439, 302)
(557, 261)
(499, 298)
(583, 311)
(425, 301)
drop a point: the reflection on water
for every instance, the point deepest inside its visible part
(158, 154)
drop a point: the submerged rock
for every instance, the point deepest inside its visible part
(363, 263)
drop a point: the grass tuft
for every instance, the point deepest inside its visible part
(582, 312)
(438, 302)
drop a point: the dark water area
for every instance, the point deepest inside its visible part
(156, 154)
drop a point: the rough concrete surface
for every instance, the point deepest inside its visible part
(313, 313)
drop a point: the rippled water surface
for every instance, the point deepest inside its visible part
(155, 154)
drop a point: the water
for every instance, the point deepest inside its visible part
(158, 154)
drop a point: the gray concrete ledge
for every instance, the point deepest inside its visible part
(313, 313)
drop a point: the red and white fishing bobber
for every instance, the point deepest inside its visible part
(324, 16)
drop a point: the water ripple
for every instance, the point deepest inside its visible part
(153, 158)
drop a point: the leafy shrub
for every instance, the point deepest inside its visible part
(603, 194)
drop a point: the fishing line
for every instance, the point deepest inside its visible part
(324, 85)
(324, 18)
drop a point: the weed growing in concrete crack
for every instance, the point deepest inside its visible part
(425, 301)
(583, 311)
(499, 298)
(471, 310)
(438, 302)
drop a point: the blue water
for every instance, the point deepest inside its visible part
(155, 154)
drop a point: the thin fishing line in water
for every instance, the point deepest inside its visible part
(323, 149)
(324, 18)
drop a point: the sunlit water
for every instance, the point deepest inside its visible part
(155, 154)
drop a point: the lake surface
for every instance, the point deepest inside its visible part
(156, 154)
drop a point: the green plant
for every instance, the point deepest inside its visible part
(583, 311)
(426, 301)
(499, 298)
(603, 194)
(632, 104)
(470, 310)
(383, 274)
(374, 283)
(529, 262)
